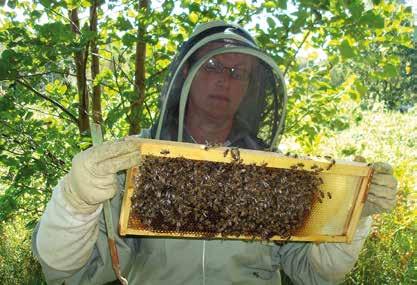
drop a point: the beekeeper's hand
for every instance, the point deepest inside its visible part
(69, 227)
(382, 194)
(92, 178)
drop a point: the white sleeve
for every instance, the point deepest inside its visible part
(325, 263)
(66, 238)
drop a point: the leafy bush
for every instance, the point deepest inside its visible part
(17, 264)
(389, 254)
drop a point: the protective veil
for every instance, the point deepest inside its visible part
(222, 65)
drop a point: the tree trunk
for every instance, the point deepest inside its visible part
(95, 67)
(136, 104)
(80, 64)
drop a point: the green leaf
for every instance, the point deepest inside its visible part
(282, 4)
(271, 22)
(11, 4)
(28, 115)
(349, 150)
(354, 95)
(270, 5)
(86, 36)
(299, 22)
(35, 14)
(61, 89)
(372, 20)
(390, 70)
(5, 104)
(49, 88)
(284, 19)
(85, 3)
(46, 3)
(4, 68)
(346, 50)
(123, 24)
(356, 8)
(361, 88)
(193, 17)
(26, 171)
(9, 56)
(55, 32)
(128, 39)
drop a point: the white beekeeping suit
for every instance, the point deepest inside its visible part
(71, 243)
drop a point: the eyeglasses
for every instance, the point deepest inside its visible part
(215, 66)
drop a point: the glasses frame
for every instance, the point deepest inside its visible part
(218, 68)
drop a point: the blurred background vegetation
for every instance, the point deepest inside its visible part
(350, 65)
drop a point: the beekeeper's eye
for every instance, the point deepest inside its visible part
(214, 66)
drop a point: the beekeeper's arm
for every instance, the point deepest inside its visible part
(69, 229)
(328, 263)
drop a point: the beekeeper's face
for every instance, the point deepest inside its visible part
(220, 84)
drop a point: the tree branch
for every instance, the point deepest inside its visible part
(52, 101)
(139, 87)
(95, 66)
(80, 63)
(296, 52)
(54, 161)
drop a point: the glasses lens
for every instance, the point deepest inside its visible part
(213, 65)
(239, 74)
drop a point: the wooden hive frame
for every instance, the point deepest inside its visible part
(334, 220)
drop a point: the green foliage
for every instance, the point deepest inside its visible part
(380, 51)
(390, 250)
(17, 264)
(368, 56)
(389, 254)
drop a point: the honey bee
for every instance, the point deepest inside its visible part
(165, 152)
(332, 162)
(235, 153)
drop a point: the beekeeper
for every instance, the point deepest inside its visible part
(221, 88)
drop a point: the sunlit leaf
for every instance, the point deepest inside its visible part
(193, 17)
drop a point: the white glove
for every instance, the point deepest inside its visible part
(68, 228)
(92, 178)
(334, 260)
(382, 191)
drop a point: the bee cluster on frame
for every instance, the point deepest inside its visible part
(174, 194)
